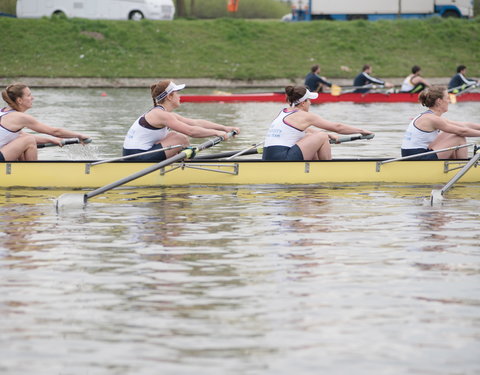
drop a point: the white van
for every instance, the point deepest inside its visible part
(98, 9)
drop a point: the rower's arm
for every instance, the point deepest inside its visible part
(470, 125)
(459, 128)
(374, 80)
(39, 127)
(188, 127)
(336, 127)
(206, 124)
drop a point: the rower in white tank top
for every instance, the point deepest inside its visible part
(143, 136)
(416, 138)
(281, 133)
(407, 84)
(7, 136)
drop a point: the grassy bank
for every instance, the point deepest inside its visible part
(234, 48)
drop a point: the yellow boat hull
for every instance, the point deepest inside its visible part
(81, 174)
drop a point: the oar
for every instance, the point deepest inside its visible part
(463, 86)
(255, 149)
(336, 90)
(226, 154)
(437, 195)
(243, 152)
(133, 155)
(453, 96)
(424, 153)
(65, 141)
(81, 199)
(349, 138)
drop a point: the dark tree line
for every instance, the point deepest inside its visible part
(181, 10)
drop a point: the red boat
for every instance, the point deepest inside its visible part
(322, 98)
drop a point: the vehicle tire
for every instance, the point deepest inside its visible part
(450, 13)
(59, 14)
(352, 17)
(136, 15)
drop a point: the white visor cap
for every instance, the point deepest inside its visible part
(308, 95)
(170, 88)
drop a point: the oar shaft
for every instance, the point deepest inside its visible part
(143, 172)
(243, 152)
(466, 85)
(187, 153)
(226, 154)
(349, 138)
(134, 155)
(460, 174)
(254, 149)
(66, 141)
(425, 153)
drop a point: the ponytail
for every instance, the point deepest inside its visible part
(12, 93)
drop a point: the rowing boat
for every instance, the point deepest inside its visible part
(82, 174)
(322, 98)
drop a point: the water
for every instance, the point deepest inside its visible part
(239, 279)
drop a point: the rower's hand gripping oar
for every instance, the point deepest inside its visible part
(65, 141)
(81, 199)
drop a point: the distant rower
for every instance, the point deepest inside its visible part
(363, 81)
(459, 82)
(315, 82)
(414, 83)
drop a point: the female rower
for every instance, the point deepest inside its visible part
(16, 144)
(290, 136)
(429, 131)
(153, 130)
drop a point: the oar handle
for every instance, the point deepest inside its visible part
(66, 141)
(349, 138)
(211, 142)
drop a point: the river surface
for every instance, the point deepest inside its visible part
(275, 280)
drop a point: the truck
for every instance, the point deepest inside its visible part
(98, 9)
(306, 10)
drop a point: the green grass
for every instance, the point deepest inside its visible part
(235, 48)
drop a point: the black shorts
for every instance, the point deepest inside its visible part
(2, 158)
(282, 153)
(155, 156)
(414, 151)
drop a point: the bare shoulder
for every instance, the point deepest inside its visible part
(429, 122)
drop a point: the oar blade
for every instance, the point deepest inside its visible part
(436, 196)
(70, 200)
(335, 90)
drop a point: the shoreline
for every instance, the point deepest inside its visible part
(70, 82)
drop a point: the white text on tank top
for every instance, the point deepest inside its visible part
(141, 138)
(417, 138)
(7, 136)
(281, 133)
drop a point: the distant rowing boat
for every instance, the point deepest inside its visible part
(82, 174)
(322, 98)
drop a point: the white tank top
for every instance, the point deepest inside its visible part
(6, 136)
(416, 138)
(142, 136)
(281, 133)
(407, 84)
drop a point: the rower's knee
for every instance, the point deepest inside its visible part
(180, 139)
(28, 140)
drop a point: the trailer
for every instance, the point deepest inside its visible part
(95, 9)
(307, 10)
